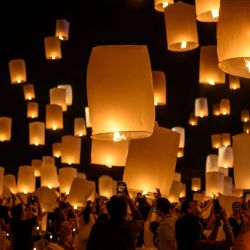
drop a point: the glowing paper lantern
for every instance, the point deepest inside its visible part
(175, 191)
(198, 196)
(69, 93)
(105, 184)
(109, 153)
(225, 157)
(52, 48)
(208, 10)
(233, 39)
(224, 171)
(160, 5)
(70, 149)
(225, 106)
(241, 148)
(56, 149)
(29, 92)
(87, 118)
(193, 121)
(36, 164)
(1, 179)
(181, 131)
(58, 97)
(159, 83)
(212, 163)
(177, 177)
(214, 183)
(245, 115)
(48, 160)
(228, 185)
(81, 175)
(54, 117)
(32, 110)
(80, 127)
(181, 28)
(216, 109)
(148, 166)
(180, 153)
(237, 192)
(17, 71)
(106, 100)
(226, 139)
(5, 128)
(36, 133)
(66, 177)
(234, 82)
(183, 190)
(49, 176)
(10, 183)
(216, 140)
(209, 70)
(62, 29)
(26, 181)
(201, 107)
(246, 127)
(196, 184)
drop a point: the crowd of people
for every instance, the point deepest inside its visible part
(122, 223)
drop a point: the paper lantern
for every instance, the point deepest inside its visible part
(225, 106)
(80, 127)
(226, 139)
(62, 29)
(181, 28)
(36, 164)
(109, 153)
(70, 149)
(1, 179)
(29, 92)
(32, 110)
(245, 115)
(66, 177)
(10, 182)
(17, 71)
(58, 97)
(183, 190)
(80, 191)
(212, 163)
(207, 10)
(216, 140)
(177, 177)
(26, 181)
(54, 117)
(193, 121)
(214, 183)
(160, 5)
(201, 107)
(196, 184)
(241, 150)
(52, 48)
(175, 191)
(198, 196)
(49, 176)
(225, 157)
(56, 149)
(209, 70)
(181, 131)
(237, 192)
(81, 176)
(87, 118)
(224, 171)
(124, 111)
(47, 198)
(216, 109)
(233, 39)
(234, 82)
(5, 128)
(159, 83)
(148, 166)
(105, 184)
(228, 185)
(48, 160)
(69, 93)
(246, 127)
(36, 133)
(180, 153)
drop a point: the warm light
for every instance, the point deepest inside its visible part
(51, 237)
(80, 134)
(165, 4)
(61, 37)
(155, 102)
(184, 44)
(74, 229)
(67, 192)
(25, 192)
(54, 128)
(53, 57)
(57, 156)
(37, 228)
(29, 97)
(247, 63)
(18, 81)
(75, 207)
(49, 187)
(211, 82)
(144, 192)
(118, 137)
(36, 143)
(215, 13)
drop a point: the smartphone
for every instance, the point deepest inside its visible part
(121, 188)
(217, 206)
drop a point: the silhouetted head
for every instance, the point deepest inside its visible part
(163, 206)
(117, 208)
(189, 206)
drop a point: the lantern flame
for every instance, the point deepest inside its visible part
(165, 4)
(184, 44)
(211, 82)
(247, 63)
(215, 13)
(144, 192)
(61, 37)
(118, 137)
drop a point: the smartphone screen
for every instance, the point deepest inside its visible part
(121, 188)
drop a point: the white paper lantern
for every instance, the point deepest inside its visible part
(214, 183)
(29, 92)
(130, 66)
(196, 184)
(10, 182)
(54, 117)
(47, 198)
(212, 163)
(69, 93)
(58, 97)
(175, 191)
(181, 131)
(36, 133)
(193, 120)
(32, 110)
(17, 70)
(225, 107)
(49, 176)
(159, 83)
(52, 48)
(5, 128)
(48, 160)
(105, 184)
(81, 176)
(177, 177)
(216, 109)
(234, 82)
(160, 5)
(26, 181)
(226, 139)
(66, 177)
(79, 127)
(56, 149)
(36, 164)
(201, 107)
(1, 180)
(207, 10)
(224, 171)
(245, 115)
(62, 29)
(181, 28)
(228, 185)
(183, 190)
(87, 118)
(225, 157)
(216, 140)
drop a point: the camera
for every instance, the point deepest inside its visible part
(121, 188)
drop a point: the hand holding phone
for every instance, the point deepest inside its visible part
(122, 188)
(217, 206)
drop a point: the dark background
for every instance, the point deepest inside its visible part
(24, 24)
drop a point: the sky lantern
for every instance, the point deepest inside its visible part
(181, 131)
(32, 109)
(159, 83)
(29, 92)
(36, 164)
(52, 48)
(228, 185)
(245, 115)
(80, 127)
(226, 139)
(193, 120)
(54, 117)
(36, 133)
(69, 93)
(48, 160)
(66, 177)
(183, 190)
(160, 5)
(175, 191)
(62, 29)
(17, 70)
(10, 182)
(1, 180)
(214, 183)
(26, 180)
(130, 66)
(201, 107)
(225, 106)
(58, 97)
(226, 158)
(212, 163)
(181, 28)
(234, 82)
(5, 128)
(207, 10)
(105, 184)
(216, 109)
(56, 149)
(196, 184)
(49, 176)
(216, 140)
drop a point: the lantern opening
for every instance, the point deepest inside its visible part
(183, 44)
(61, 37)
(211, 82)
(215, 13)
(118, 137)
(247, 63)
(165, 4)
